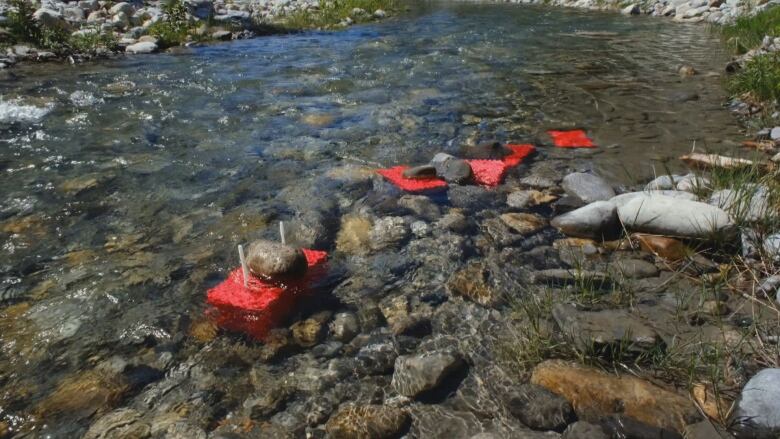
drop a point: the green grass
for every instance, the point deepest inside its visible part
(333, 12)
(759, 79)
(174, 29)
(748, 32)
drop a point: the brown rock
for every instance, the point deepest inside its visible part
(268, 258)
(368, 422)
(203, 330)
(713, 406)
(686, 71)
(595, 394)
(353, 236)
(308, 333)
(318, 120)
(472, 283)
(667, 248)
(423, 172)
(524, 223)
(82, 395)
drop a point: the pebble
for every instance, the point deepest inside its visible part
(415, 375)
(368, 421)
(141, 47)
(676, 217)
(598, 220)
(344, 327)
(524, 223)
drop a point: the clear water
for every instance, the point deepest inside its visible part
(122, 203)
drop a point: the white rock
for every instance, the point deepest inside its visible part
(142, 47)
(587, 187)
(122, 7)
(750, 204)
(673, 216)
(597, 220)
(758, 409)
(49, 18)
(632, 9)
(775, 133)
(623, 199)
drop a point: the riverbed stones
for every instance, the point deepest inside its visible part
(676, 217)
(524, 223)
(308, 333)
(633, 268)
(597, 220)
(344, 326)
(422, 172)
(454, 170)
(529, 198)
(416, 375)
(421, 206)
(268, 258)
(587, 187)
(584, 430)
(388, 232)
(489, 150)
(749, 204)
(473, 283)
(757, 414)
(368, 422)
(595, 394)
(122, 423)
(623, 199)
(353, 236)
(540, 409)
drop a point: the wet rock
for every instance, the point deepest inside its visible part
(490, 150)
(538, 182)
(122, 423)
(584, 430)
(269, 397)
(670, 216)
(567, 203)
(454, 221)
(751, 204)
(757, 413)
(184, 430)
(353, 236)
(472, 197)
(623, 199)
(422, 206)
(665, 247)
(529, 198)
(388, 232)
(269, 258)
(604, 328)
(368, 422)
(624, 427)
(540, 409)
(308, 333)
(498, 234)
(686, 71)
(598, 220)
(473, 283)
(344, 327)
(416, 375)
(83, 395)
(557, 277)
(587, 187)
(413, 325)
(633, 269)
(278, 343)
(595, 394)
(454, 171)
(377, 356)
(524, 223)
(141, 47)
(422, 172)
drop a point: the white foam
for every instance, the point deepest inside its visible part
(16, 111)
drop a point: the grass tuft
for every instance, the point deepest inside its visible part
(759, 78)
(748, 32)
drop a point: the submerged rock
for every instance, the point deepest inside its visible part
(269, 258)
(454, 171)
(524, 223)
(606, 327)
(420, 172)
(388, 232)
(141, 47)
(676, 217)
(122, 423)
(540, 409)
(587, 187)
(368, 422)
(416, 374)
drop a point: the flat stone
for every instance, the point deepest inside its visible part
(672, 216)
(597, 220)
(584, 430)
(368, 421)
(415, 375)
(537, 182)
(607, 327)
(561, 277)
(595, 394)
(529, 198)
(524, 223)
(268, 258)
(141, 47)
(757, 413)
(125, 423)
(540, 409)
(633, 269)
(454, 171)
(587, 187)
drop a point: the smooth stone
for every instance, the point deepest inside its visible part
(421, 206)
(606, 327)
(415, 375)
(623, 199)
(751, 204)
(587, 187)
(584, 430)
(141, 47)
(771, 246)
(664, 182)
(598, 220)
(633, 269)
(595, 394)
(491, 150)
(422, 172)
(528, 198)
(537, 182)
(632, 9)
(388, 232)
(368, 421)
(775, 133)
(344, 327)
(268, 258)
(686, 71)
(672, 216)
(454, 171)
(757, 412)
(693, 183)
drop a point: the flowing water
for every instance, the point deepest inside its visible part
(126, 184)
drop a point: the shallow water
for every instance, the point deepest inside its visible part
(128, 183)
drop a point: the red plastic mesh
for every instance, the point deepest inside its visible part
(488, 172)
(262, 305)
(571, 139)
(395, 176)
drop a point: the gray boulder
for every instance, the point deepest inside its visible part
(750, 204)
(598, 220)
(757, 414)
(269, 258)
(49, 18)
(671, 216)
(623, 199)
(587, 187)
(416, 374)
(141, 47)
